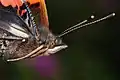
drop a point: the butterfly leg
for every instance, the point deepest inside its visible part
(28, 55)
(39, 53)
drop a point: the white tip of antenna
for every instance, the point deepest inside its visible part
(113, 14)
(92, 17)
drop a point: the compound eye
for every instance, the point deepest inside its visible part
(58, 41)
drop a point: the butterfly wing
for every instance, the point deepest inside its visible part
(43, 13)
(13, 30)
(41, 6)
(13, 24)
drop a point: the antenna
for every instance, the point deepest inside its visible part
(87, 24)
(30, 16)
(80, 23)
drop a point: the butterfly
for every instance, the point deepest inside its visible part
(22, 37)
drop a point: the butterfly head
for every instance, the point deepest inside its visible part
(50, 41)
(55, 46)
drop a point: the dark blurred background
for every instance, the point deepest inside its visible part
(93, 52)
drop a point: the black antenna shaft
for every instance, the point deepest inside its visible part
(111, 15)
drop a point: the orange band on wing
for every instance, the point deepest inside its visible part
(8, 2)
(43, 13)
(13, 3)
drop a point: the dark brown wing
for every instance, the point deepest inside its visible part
(12, 23)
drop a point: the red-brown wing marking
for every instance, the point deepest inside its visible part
(8, 2)
(43, 11)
